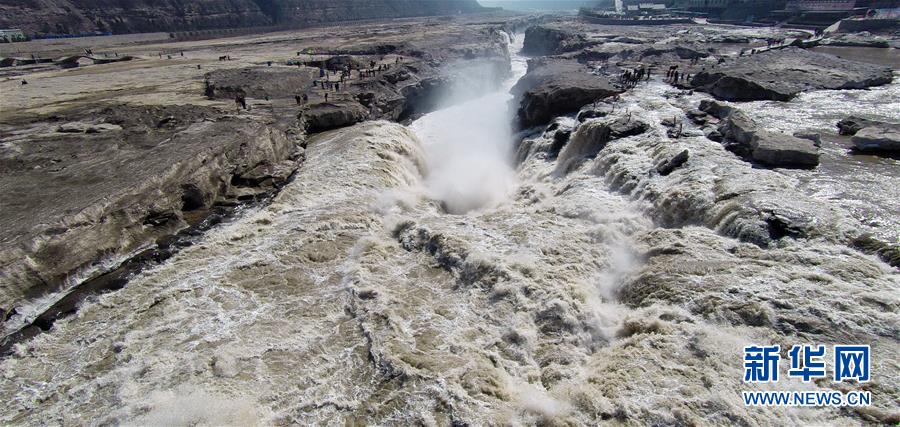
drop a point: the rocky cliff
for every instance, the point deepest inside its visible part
(135, 16)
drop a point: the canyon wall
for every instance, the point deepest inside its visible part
(136, 16)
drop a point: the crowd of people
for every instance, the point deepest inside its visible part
(630, 78)
(330, 79)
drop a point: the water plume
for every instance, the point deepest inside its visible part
(468, 147)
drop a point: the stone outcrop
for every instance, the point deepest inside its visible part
(871, 135)
(593, 135)
(76, 201)
(80, 16)
(783, 150)
(715, 109)
(744, 137)
(855, 40)
(557, 86)
(882, 137)
(405, 90)
(330, 115)
(550, 40)
(259, 82)
(781, 74)
(669, 165)
(851, 125)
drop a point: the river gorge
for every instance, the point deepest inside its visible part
(483, 235)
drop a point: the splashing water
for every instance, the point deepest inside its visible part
(468, 147)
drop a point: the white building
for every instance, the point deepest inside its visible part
(12, 35)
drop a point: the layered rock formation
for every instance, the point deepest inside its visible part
(878, 138)
(557, 86)
(550, 39)
(744, 137)
(108, 182)
(117, 175)
(80, 16)
(781, 74)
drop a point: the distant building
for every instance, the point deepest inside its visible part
(819, 5)
(643, 7)
(822, 13)
(12, 35)
(738, 10)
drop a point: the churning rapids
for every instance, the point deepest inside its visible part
(444, 274)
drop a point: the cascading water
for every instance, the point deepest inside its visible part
(531, 296)
(468, 146)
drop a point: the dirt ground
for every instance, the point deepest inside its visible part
(152, 78)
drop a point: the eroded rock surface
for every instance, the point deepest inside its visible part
(73, 202)
(556, 86)
(878, 138)
(325, 116)
(169, 147)
(551, 39)
(743, 136)
(781, 74)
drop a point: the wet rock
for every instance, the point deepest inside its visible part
(560, 137)
(715, 108)
(327, 115)
(815, 137)
(667, 166)
(852, 124)
(714, 135)
(266, 174)
(889, 253)
(782, 74)
(554, 87)
(595, 110)
(556, 318)
(738, 127)
(882, 137)
(782, 150)
(367, 294)
(742, 136)
(586, 142)
(697, 116)
(626, 126)
(628, 40)
(592, 136)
